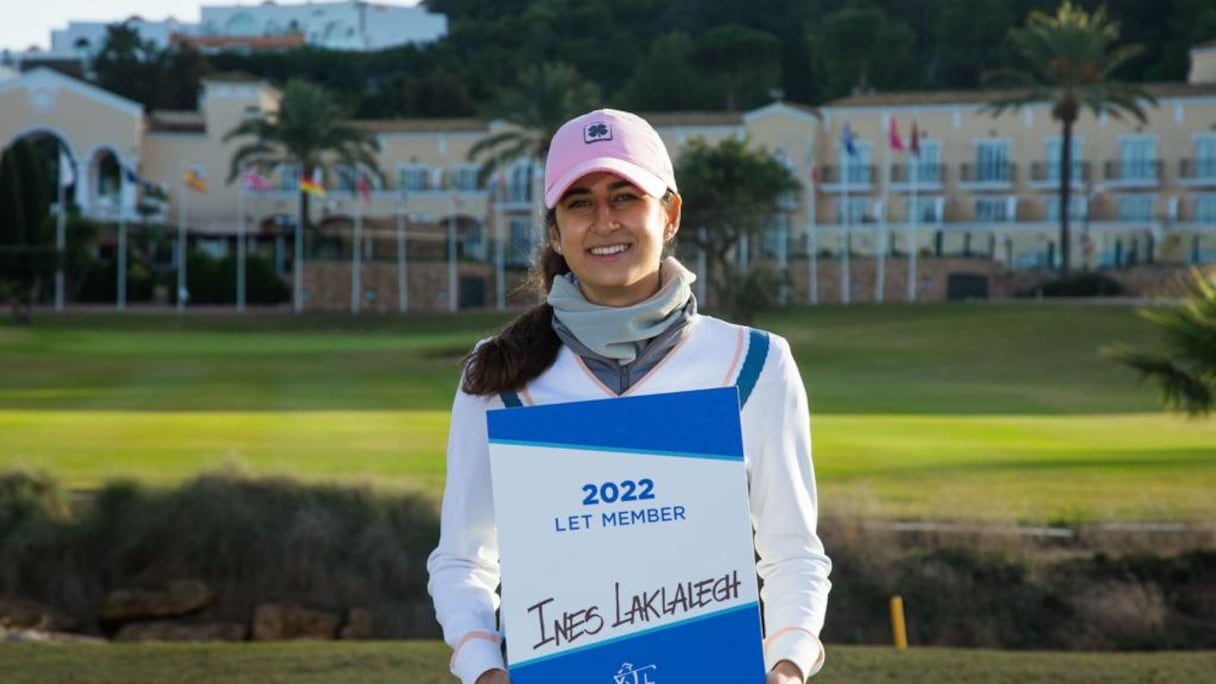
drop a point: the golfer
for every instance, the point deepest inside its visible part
(620, 319)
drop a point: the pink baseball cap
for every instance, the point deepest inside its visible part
(607, 140)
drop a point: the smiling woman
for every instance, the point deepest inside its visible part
(619, 318)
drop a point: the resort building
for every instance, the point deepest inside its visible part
(972, 214)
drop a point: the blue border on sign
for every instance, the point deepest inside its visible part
(708, 420)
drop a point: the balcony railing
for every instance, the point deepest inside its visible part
(981, 176)
(928, 176)
(1134, 172)
(858, 176)
(1046, 175)
(1197, 171)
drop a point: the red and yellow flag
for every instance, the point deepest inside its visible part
(313, 186)
(196, 179)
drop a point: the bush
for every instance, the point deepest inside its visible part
(250, 539)
(213, 281)
(1089, 284)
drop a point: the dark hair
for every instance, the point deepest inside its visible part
(527, 346)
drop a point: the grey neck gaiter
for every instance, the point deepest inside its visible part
(621, 332)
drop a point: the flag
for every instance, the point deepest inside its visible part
(846, 138)
(315, 185)
(897, 143)
(364, 187)
(67, 174)
(914, 148)
(252, 180)
(196, 179)
(437, 179)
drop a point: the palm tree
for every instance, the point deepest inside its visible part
(1186, 371)
(550, 95)
(309, 131)
(1071, 57)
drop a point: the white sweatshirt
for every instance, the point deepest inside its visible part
(464, 570)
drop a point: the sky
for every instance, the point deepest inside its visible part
(32, 23)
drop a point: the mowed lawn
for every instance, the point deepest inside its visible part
(426, 663)
(976, 411)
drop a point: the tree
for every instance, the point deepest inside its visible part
(740, 56)
(730, 191)
(1186, 370)
(26, 255)
(1070, 57)
(668, 79)
(309, 131)
(862, 46)
(550, 95)
(128, 65)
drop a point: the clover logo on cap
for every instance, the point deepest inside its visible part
(597, 132)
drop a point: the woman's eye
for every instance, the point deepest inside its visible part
(578, 204)
(625, 198)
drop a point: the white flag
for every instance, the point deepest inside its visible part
(67, 174)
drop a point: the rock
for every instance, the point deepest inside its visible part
(358, 624)
(170, 630)
(19, 613)
(274, 621)
(41, 636)
(178, 598)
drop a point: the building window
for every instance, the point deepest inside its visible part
(412, 178)
(519, 183)
(464, 178)
(923, 209)
(992, 161)
(928, 164)
(1055, 148)
(1077, 207)
(855, 168)
(858, 208)
(1205, 209)
(289, 177)
(1136, 208)
(519, 245)
(992, 210)
(1205, 157)
(1138, 158)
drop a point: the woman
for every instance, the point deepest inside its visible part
(620, 318)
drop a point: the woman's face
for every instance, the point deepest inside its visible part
(612, 235)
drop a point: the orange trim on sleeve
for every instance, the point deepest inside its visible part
(786, 630)
(734, 365)
(477, 634)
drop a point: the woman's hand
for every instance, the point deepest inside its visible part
(784, 672)
(494, 677)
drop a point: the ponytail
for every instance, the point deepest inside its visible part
(527, 346)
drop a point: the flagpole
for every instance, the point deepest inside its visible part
(182, 212)
(356, 280)
(914, 167)
(880, 282)
(453, 302)
(844, 231)
(500, 257)
(122, 260)
(297, 266)
(403, 294)
(240, 247)
(60, 237)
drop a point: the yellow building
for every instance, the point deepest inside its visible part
(972, 215)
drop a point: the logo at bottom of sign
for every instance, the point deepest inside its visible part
(628, 674)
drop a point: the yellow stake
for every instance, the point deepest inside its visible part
(897, 623)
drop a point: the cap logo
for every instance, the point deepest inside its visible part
(597, 132)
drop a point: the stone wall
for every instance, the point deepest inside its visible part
(327, 286)
(328, 282)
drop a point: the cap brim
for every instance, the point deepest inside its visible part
(646, 181)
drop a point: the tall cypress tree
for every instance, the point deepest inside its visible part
(25, 253)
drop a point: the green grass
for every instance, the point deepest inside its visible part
(1001, 412)
(426, 663)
